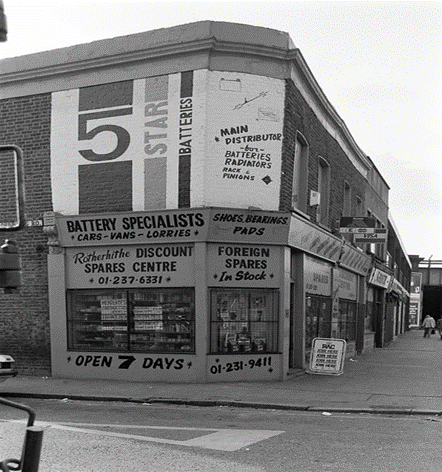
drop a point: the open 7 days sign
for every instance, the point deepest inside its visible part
(327, 356)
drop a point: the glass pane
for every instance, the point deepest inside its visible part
(150, 320)
(97, 320)
(347, 320)
(317, 319)
(162, 320)
(243, 321)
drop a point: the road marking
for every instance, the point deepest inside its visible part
(210, 438)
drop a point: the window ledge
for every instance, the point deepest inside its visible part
(300, 213)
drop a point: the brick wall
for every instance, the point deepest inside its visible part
(105, 187)
(24, 316)
(300, 117)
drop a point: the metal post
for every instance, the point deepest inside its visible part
(32, 449)
(30, 459)
(19, 406)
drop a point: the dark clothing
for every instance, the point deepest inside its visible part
(439, 326)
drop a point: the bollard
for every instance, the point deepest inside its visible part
(32, 449)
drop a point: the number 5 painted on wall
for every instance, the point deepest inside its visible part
(123, 136)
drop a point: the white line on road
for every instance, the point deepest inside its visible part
(211, 438)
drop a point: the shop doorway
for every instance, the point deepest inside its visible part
(292, 328)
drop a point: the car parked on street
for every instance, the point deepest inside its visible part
(7, 367)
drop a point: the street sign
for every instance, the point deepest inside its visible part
(327, 356)
(378, 236)
(346, 222)
(357, 230)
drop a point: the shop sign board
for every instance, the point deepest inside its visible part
(145, 367)
(312, 239)
(414, 310)
(397, 287)
(249, 226)
(377, 236)
(173, 226)
(309, 238)
(170, 265)
(354, 260)
(327, 356)
(345, 283)
(317, 276)
(354, 224)
(243, 367)
(132, 228)
(416, 282)
(240, 265)
(379, 278)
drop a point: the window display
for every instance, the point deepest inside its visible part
(317, 319)
(132, 320)
(345, 327)
(244, 321)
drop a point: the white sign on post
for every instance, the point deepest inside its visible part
(327, 356)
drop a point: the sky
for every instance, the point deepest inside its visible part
(379, 64)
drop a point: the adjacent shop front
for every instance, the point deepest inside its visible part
(327, 290)
(378, 318)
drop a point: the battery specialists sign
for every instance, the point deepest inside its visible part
(132, 228)
(327, 356)
(169, 265)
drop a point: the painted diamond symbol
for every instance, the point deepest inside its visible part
(267, 180)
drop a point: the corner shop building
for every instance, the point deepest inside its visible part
(174, 253)
(210, 298)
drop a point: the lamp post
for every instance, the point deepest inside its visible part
(3, 28)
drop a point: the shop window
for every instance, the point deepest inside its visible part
(324, 190)
(132, 320)
(244, 321)
(346, 209)
(359, 207)
(344, 327)
(317, 319)
(300, 167)
(370, 311)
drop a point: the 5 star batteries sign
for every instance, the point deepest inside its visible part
(191, 139)
(118, 146)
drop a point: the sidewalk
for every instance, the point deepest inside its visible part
(403, 378)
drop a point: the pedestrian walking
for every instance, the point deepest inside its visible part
(428, 324)
(439, 326)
